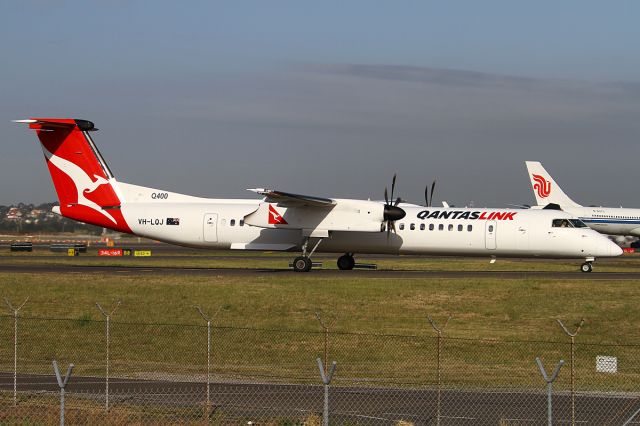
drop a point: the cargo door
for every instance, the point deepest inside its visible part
(210, 228)
(491, 229)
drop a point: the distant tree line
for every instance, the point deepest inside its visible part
(31, 218)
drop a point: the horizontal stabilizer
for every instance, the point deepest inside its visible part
(58, 123)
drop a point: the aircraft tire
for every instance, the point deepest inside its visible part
(586, 267)
(346, 262)
(302, 264)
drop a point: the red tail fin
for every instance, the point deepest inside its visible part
(84, 183)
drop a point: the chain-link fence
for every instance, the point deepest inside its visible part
(207, 374)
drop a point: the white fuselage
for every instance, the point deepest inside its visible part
(609, 220)
(217, 223)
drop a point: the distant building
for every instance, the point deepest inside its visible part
(14, 213)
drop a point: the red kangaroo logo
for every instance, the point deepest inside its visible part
(541, 186)
(275, 218)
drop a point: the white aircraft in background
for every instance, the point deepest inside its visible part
(607, 220)
(88, 192)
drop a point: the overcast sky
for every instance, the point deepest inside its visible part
(331, 98)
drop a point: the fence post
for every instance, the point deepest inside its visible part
(439, 339)
(326, 380)
(108, 317)
(15, 347)
(630, 419)
(549, 381)
(208, 320)
(325, 328)
(63, 384)
(573, 341)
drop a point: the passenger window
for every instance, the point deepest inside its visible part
(241, 222)
(469, 228)
(441, 227)
(402, 226)
(459, 227)
(412, 226)
(490, 228)
(232, 222)
(450, 227)
(431, 227)
(422, 226)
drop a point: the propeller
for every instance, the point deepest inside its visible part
(391, 210)
(429, 198)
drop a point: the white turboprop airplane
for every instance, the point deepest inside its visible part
(88, 192)
(607, 220)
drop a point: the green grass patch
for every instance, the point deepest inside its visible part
(265, 327)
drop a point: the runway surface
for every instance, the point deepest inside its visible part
(213, 272)
(373, 405)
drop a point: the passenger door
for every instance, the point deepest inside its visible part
(210, 228)
(491, 229)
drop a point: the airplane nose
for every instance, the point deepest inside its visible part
(604, 247)
(608, 248)
(616, 250)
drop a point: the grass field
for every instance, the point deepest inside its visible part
(486, 307)
(498, 311)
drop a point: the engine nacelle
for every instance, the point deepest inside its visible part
(345, 215)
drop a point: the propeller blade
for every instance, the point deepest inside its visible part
(426, 196)
(433, 186)
(386, 197)
(393, 185)
(397, 202)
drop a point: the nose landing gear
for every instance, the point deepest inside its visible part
(586, 267)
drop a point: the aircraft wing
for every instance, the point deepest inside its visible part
(288, 199)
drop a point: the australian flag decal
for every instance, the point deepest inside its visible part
(173, 221)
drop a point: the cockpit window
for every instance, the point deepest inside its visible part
(561, 223)
(577, 223)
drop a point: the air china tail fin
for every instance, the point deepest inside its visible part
(86, 188)
(545, 189)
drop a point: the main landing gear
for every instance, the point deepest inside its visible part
(587, 265)
(346, 262)
(303, 263)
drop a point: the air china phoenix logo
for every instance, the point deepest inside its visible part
(541, 186)
(275, 218)
(84, 184)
